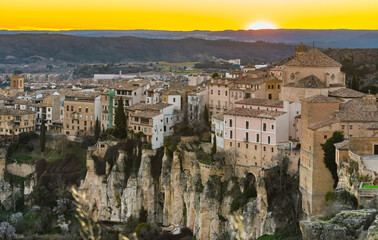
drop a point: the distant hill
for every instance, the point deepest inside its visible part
(339, 38)
(24, 48)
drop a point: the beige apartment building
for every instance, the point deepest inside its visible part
(15, 121)
(81, 109)
(224, 93)
(254, 129)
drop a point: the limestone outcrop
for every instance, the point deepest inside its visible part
(177, 189)
(346, 225)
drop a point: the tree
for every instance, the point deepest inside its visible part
(329, 154)
(355, 82)
(42, 137)
(215, 75)
(97, 129)
(214, 148)
(206, 115)
(120, 120)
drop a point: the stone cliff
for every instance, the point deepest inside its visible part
(175, 188)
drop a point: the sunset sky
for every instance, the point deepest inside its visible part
(187, 15)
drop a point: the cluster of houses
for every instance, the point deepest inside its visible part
(289, 109)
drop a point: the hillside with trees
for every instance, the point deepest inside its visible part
(36, 47)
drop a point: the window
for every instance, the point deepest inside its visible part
(86, 109)
(278, 86)
(68, 108)
(325, 136)
(268, 86)
(230, 122)
(351, 127)
(230, 144)
(238, 145)
(225, 93)
(264, 127)
(218, 92)
(264, 148)
(257, 137)
(240, 94)
(292, 76)
(272, 149)
(79, 108)
(343, 127)
(246, 145)
(232, 94)
(211, 91)
(273, 125)
(246, 137)
(230, 134)
(71, 108)
(268, 140)
(247, 124)
(174, 99)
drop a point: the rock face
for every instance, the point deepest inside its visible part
(186, 193)
(346, 225)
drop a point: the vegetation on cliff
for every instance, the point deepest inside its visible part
(329, 154)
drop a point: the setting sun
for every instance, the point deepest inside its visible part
(261, 25)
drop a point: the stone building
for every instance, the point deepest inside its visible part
(310, 73)
(321, 117)
(15, 121)
(155, 121)
(80, 113)
(254, 129)
(224, 93)
(16, 85)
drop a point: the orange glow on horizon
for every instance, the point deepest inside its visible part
(47, 15)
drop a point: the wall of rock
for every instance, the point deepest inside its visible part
(186, 193)
(346, 225)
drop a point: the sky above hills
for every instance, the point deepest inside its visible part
(188, 15)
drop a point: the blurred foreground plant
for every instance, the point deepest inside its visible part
(239, 228)
(90, 229)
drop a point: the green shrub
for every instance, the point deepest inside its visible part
(329, 196)
(329, 154)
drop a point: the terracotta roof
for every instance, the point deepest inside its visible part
(323, 123)
(310, 82)
(344, 145)
(254, 113)
(321, 99)
(346, 93)
(146, 114)
(313, 58)
(10, 111)
(261, 102)
(153, 107)
(81, 96)
(219, 116)
(358, 110)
